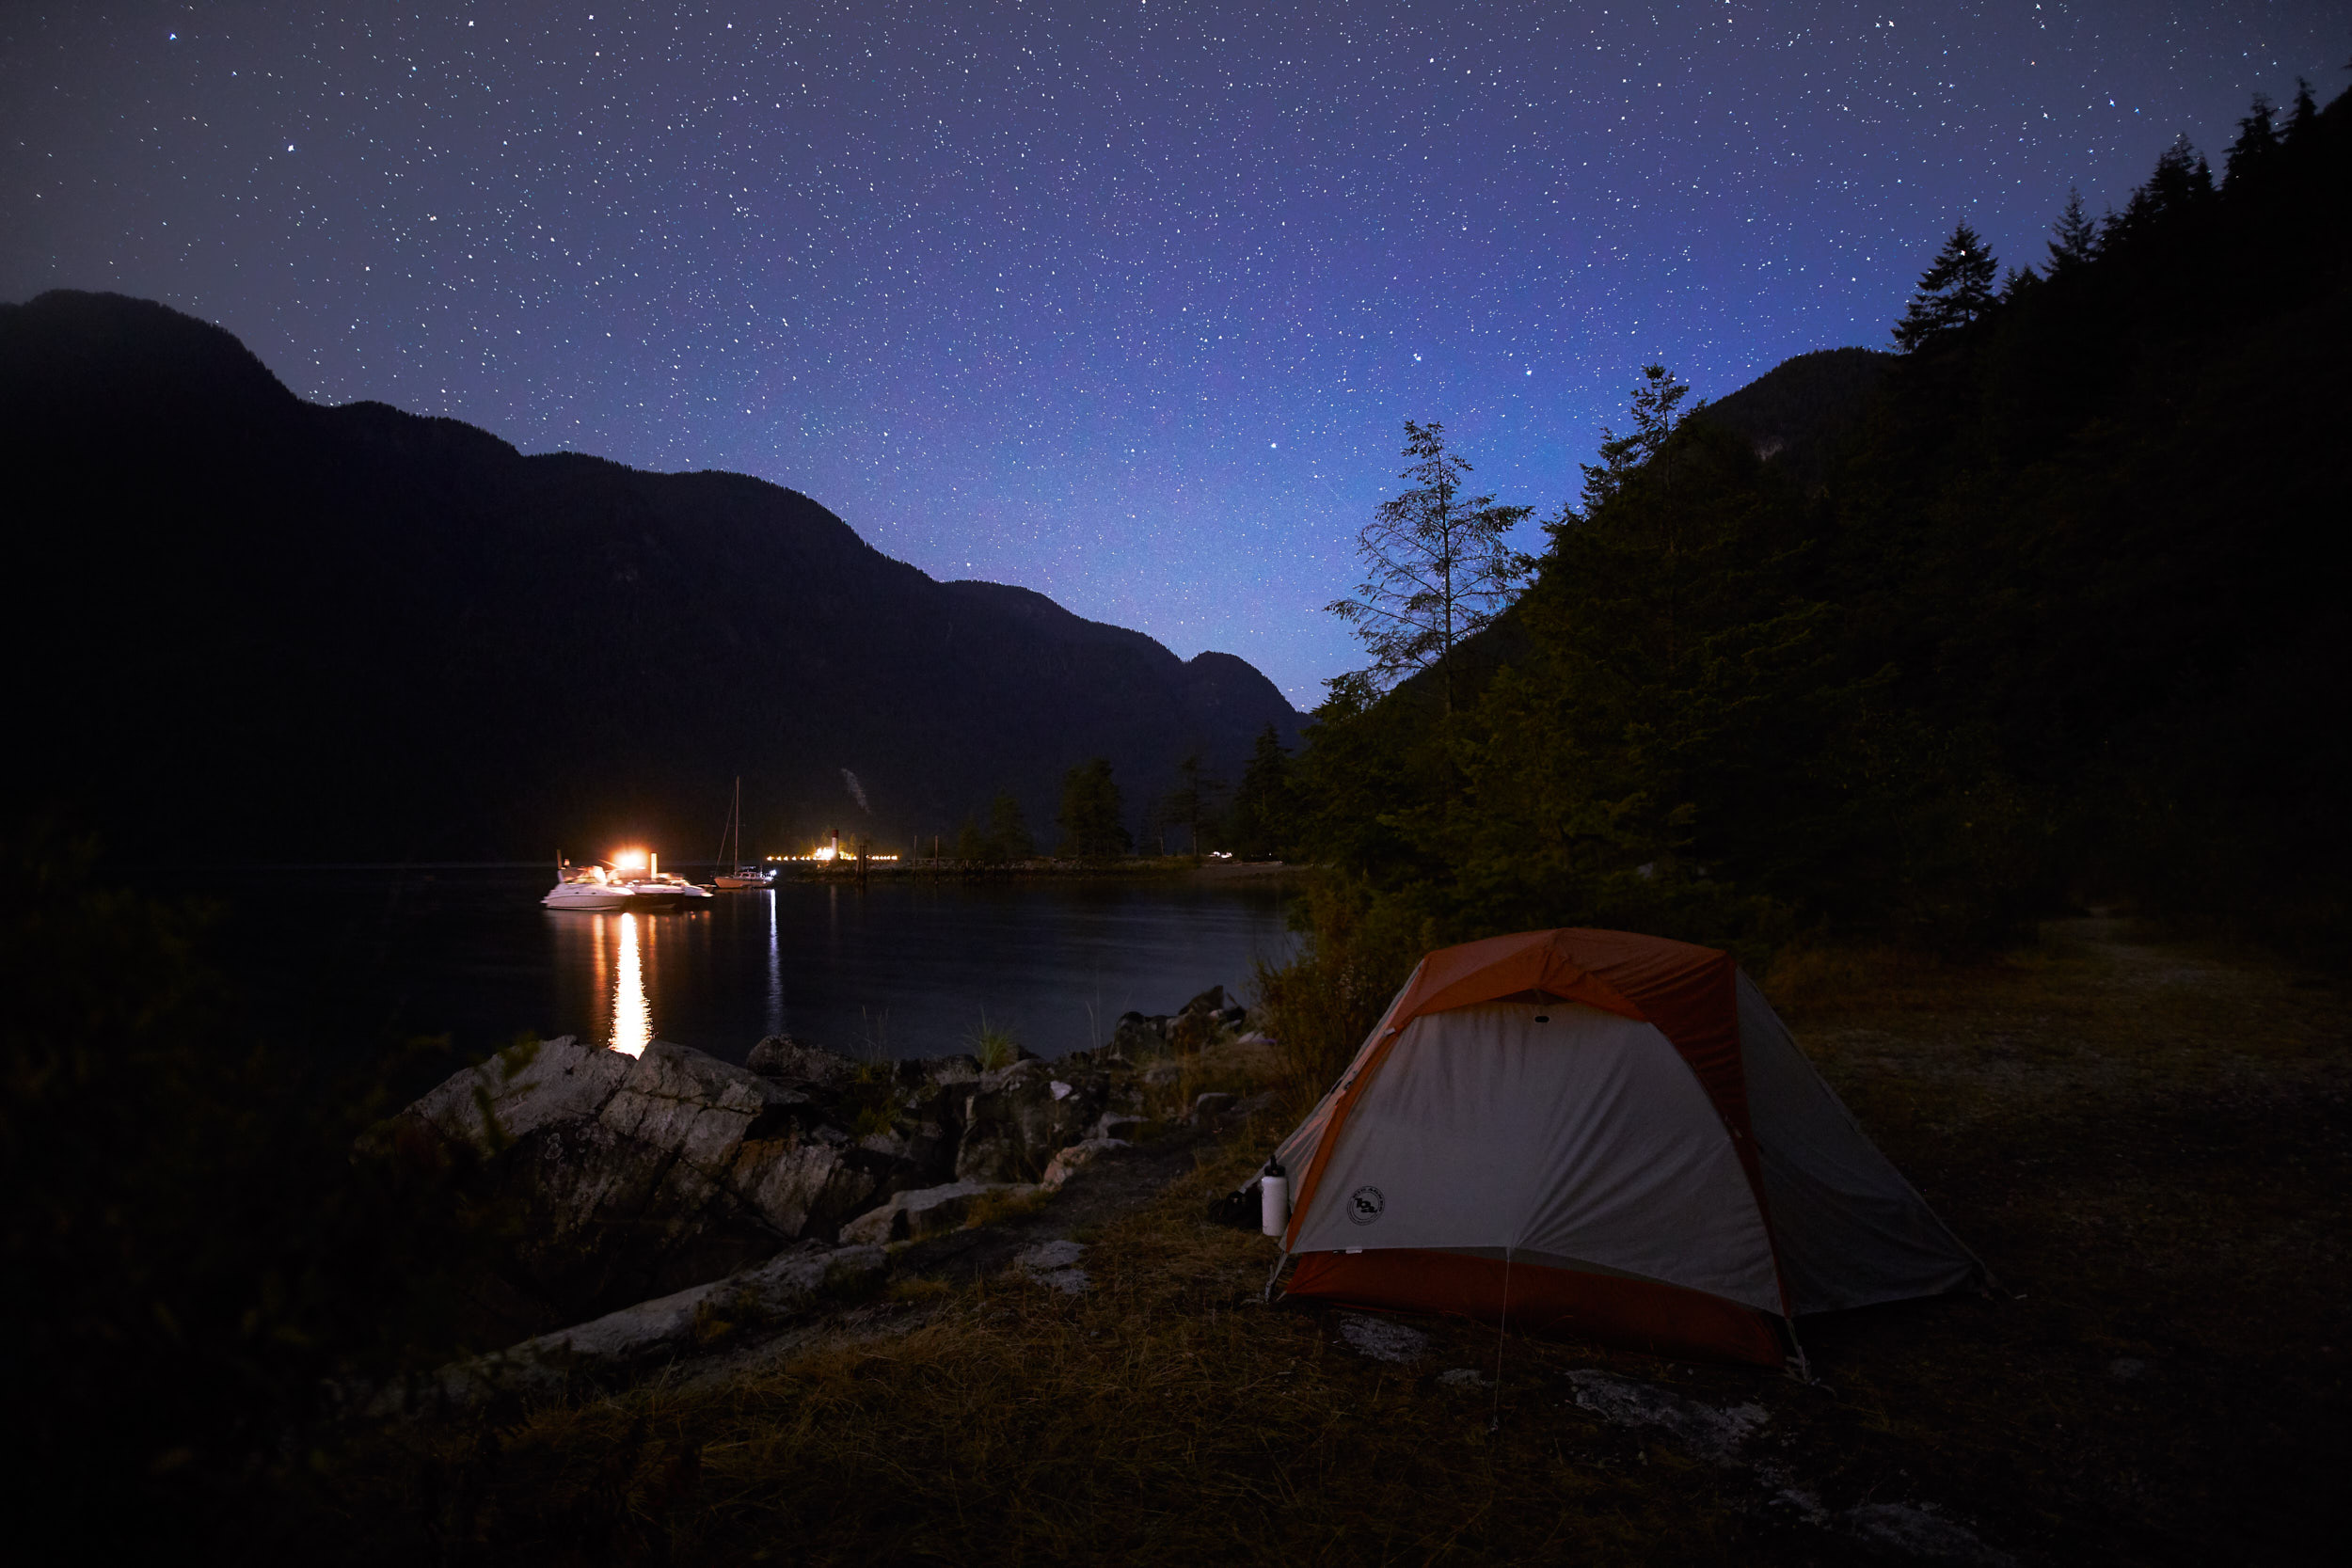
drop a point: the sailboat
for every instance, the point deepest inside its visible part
(746, 874)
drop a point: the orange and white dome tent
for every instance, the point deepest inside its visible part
(1607, 1134)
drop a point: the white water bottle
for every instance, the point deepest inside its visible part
(1273, 1198)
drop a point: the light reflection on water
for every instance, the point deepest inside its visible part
(623, 960)
(632, 1016)
(892, 971)
(898, 971)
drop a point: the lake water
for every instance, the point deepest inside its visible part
(896, 969)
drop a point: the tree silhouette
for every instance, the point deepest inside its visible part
(2181, 183)
(2303, 114)
(2257, 142)
(1092, 812)
(1438, 566)
(1653, 410)
(1265, 811)
(1954, 292)
(1007, 831)
(2076, 240)
(1193, 801)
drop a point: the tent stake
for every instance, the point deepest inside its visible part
(1502, 1319)
(1799, 1368)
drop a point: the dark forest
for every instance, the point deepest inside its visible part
(1918, 646)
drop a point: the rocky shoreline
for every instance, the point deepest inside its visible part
(647, 1197)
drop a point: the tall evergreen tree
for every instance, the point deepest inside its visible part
(1092, 815)
(2075, 241)
(1007, 831)
(2257, 143)
(1439, 566)
(2303, 114)
(1653, 414)
(1193, 801)
(2182, 182)
(1263, 821)
(1954, 292)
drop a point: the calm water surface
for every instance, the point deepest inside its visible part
(894, 971)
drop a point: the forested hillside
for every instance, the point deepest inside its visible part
(1922, 645)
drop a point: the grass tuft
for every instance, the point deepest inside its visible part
(995, 1048)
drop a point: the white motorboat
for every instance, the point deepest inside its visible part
(659, 890)
(651, 889)
(589, 888)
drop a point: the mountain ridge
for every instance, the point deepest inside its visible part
(327, 615)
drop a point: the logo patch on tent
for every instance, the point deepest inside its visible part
(1365, 1205)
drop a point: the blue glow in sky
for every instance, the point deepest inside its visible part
(1124, 301)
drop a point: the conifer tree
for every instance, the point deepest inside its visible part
(2076, 241)
(1193, 801)
(1263, 817)
(2257, 141)
(1439, 566)
(1092, 813)
(2299, 118)
(2182, 180)
(1655, 402)
(1954, 292)
(1008, 831)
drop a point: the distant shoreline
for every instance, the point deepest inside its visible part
(1170, 867)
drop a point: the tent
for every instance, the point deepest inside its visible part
(1604, 1134)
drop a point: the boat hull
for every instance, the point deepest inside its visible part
(602, 902)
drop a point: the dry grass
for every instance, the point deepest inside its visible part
(2148, 1145)
(1166, 1417)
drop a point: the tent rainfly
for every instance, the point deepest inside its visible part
(1603, 1134)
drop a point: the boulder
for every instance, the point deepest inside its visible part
(1054, 1265)
(790, 1061)
(1199, 1022)
(627, 1177)
(929, 1211)
(1016, 1118)
(1138, 1039)
(1065, 1161)
(648, 1331)
(522, 1089)
(780, 1286)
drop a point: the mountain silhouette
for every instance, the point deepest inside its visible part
(252, 627)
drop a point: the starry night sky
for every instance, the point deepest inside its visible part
(1123, 301)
